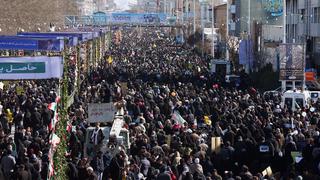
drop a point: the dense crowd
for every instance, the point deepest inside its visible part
(24, 135)
(166, 81)
(184, 123)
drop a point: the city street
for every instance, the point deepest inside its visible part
(159, 90)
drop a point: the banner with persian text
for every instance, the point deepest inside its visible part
(40, 67)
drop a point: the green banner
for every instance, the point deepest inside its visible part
(22, 68)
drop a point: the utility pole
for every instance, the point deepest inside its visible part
(249, 18)
(248, 64)
(187, 9)
(194, 16)
(212, 29)
(202, 26)
(165, 6)
(227, 33)
(284, 21)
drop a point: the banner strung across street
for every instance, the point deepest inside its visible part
(18, 43)
(41, 67)
(131, 18)
(103, 112)
(292, 61)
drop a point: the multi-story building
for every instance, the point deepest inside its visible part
(303, 26)
(148, 6)
(86, 7)
(245, 15)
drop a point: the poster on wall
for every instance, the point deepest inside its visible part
(41, 67)
(292, 61)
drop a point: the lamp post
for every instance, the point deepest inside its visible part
(212, 29)
(227, 33)
(194, 16)
(284, 20)
(202, 25)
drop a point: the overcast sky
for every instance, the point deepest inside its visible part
(124, 4)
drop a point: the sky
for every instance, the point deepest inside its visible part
(123, 4)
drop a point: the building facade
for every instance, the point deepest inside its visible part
(303, 26)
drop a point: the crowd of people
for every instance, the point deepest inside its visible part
(174, 108)
(24, 135)
(184, 124)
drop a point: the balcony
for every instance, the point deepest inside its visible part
(315, 29)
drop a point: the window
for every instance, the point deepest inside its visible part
(316, 15)
(302, 15)
(299, 103)
(288, 102)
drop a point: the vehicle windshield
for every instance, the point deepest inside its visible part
(288, 102)
(299, 103)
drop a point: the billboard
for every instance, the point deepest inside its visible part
(292, 61)
(18, 43)
(40, 67)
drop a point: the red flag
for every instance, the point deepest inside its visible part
(69, 127)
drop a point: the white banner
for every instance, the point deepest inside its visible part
(40, 67)
(103, 112)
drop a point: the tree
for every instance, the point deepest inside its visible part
(232, 44)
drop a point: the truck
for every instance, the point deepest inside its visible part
(116, 131)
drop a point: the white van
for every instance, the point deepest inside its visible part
(296, 99)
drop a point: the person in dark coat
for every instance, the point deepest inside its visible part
(98, 164)
(22, 174)
(117, 166)
(73, 173)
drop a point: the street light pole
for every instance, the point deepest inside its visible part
(194, 16)
(249, 18)
(284, 20)
(248, 64)
(165, 6)
(202, 26)
(227, 33)
(212, 29)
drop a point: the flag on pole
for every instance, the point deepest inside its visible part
(51, 164)
(55, 140)
(69, 126)
(177, 117)
(52, 106)
(54, 121)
